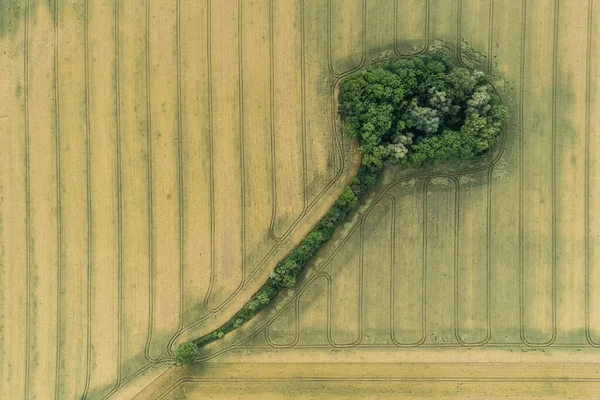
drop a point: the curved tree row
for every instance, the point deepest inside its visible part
(416, 112)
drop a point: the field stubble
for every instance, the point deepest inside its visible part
(159, 157)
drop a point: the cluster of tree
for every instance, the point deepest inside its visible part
(416, 111)
(420, 111)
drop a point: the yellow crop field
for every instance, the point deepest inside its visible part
(157, 158)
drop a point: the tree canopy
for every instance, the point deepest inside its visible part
(420, 111)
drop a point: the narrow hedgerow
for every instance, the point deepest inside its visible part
(285, 272)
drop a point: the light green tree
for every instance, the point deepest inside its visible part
(186, 353)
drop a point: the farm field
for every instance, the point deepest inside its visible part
(158, 157)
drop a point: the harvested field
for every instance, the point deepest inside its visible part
(157, 158)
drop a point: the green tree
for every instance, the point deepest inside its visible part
(448, 112)
(186, 353)
(347, 200)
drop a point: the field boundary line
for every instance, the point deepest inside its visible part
(363, 59)
(180, 172)
(147, 354)
(554, 201)
(27, 199)
(308, 205)
(419, 342)
(455, 257)
(86, 49)
(242, 141)
(392, 379)
(361, 280)
(359, 311)
(58, 203)
(456, 379)
(588, 333)
(396, 51)
(338, 157)
(392, 200)
(294, 341)
(553, 336)
(488, 246)
(272, 124)
(303, 103)
(459, 33)
(305, 202)
(490, 185)
(180, 179)
(487, 337)
(521, 163)
(117, 11)
(448, 345)
(491, 40)
(210, 150)
(424, 262)
(457, 333)
(119, 187)
(242, 185)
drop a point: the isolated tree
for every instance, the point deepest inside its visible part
(186, 353)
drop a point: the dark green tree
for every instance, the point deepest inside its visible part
(419, 111)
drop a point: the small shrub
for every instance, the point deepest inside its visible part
(186, 353)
